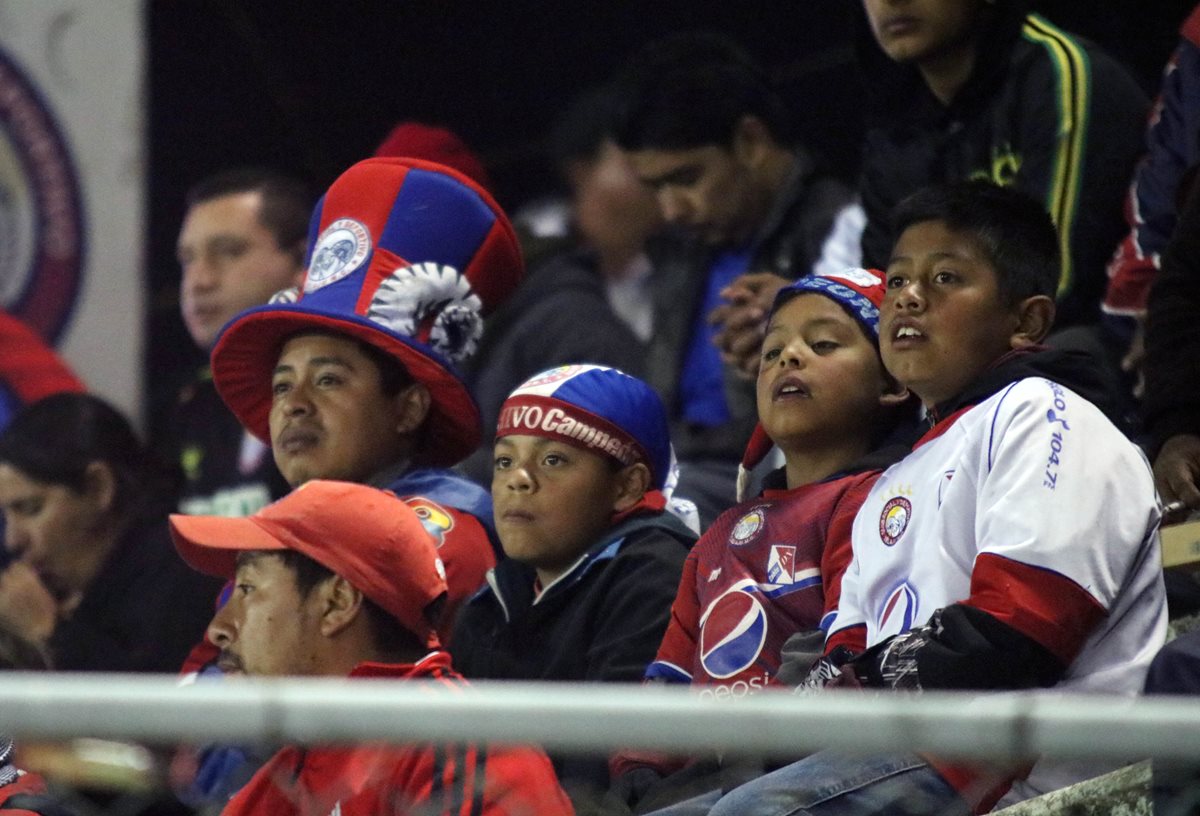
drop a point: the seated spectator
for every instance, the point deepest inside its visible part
(241, 241)
(1158, 190)
(94, 577)
(983, 89)
(966, 573)
(707, 132)
(592, 558)
(825, 400)
(590, 303)
(355, 377)
(338, 579)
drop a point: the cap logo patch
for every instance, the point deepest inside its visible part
(431, 303)
(341, 249)
(859, 277)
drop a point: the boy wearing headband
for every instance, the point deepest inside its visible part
(771, 566)
(580, 482)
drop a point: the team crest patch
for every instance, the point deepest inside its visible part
(893, 521)
(781, 564)
(555, 375)
(747, 527)
(434, 518)
(340, 250)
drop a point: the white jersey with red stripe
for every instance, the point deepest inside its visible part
(1033, 507)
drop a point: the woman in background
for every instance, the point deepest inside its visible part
(93, 576)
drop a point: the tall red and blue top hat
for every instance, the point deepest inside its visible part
(405, 255)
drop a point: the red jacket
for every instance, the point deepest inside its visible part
(382, 780)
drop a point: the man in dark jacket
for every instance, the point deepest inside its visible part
(965, 89)
(707, 132)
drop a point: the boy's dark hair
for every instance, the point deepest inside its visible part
(1014, 231)
(690, 90)
(581, 130)
(286, 202)
(389, 635)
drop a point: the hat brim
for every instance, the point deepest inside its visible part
(246, 353)
(210, 544)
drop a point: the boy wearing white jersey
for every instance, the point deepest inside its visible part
(1016, 546)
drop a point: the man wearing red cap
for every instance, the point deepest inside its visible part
(340, 579)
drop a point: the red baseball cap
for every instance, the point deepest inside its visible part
(364, 534)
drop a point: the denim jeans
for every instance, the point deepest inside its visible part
(831, 784)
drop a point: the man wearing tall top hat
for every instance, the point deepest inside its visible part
(354, 375)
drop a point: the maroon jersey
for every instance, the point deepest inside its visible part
(766, 569)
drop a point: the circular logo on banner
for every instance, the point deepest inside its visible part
(732, 634)
(41, 211)
(893, 521)
(340, 250)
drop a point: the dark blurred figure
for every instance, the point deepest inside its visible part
(242, 240)
(94, 578)
(591, 303)
(707, 132)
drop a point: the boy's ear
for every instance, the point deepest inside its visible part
(1035, 317)
(340, 603)
(894, 394)
(412, 406)
(632, 483)
(750, 140)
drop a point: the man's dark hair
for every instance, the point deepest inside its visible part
(393, 376)
(691, 90)
(1014, 231)
(391, 638)
(581, 130)
(286, 202)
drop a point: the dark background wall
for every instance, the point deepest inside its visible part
(312, 87)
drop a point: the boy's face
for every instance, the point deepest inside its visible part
(266, 628)
(943, 321)
(706, 190)
(917, 30)
(552, 500)
(329, 416)
(820, 377)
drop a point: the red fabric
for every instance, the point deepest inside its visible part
(1040, 604)
(465, 550)
(853, 638)
(434, 144)
(28, 366)
(27, 783)
(398, 779)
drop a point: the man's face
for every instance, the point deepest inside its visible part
(329, 416)
(613, 210)
(267, 628)
(943, 321)
(918, 30)
(230, 262)
(706, 189)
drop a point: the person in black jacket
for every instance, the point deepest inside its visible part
(982, 89)
(593, 560)
(94, 576)
(750, 211)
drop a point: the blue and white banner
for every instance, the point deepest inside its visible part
(71, 183)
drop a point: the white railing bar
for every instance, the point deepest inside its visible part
(598, 718)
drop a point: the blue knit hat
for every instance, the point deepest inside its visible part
(593, 408)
